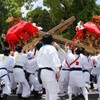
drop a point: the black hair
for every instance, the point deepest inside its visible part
(82, 50)
(78, 50)
(39, 45)
(47, 39)
(6, 51)
(18, 48)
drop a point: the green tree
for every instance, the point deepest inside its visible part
(42, 18)
(83, 9)
(63, 9)
(7, 8)
(11, 8)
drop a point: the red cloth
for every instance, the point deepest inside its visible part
(79, 35)
(22, 27)
(93, 28)
(22, 30)
(11, 37)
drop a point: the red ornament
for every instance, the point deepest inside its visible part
(77, 63)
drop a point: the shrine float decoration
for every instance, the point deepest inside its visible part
(88, 33)
(20, 32)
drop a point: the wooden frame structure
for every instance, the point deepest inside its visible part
(57, 30)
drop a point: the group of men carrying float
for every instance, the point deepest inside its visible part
(59, 71)
(49, 67)
(18, 70)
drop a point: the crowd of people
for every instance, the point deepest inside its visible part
(48, 68)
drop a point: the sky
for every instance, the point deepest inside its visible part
(98, 2)
(39, 3)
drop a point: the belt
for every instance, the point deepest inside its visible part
(66, 69)
(3, 76)
(76, 69)
(3, 68)
(85, 70)
(10, 71)
(27, 75)
(18, 66)
(39, 73)
(46, 68)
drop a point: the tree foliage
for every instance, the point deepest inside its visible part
(82, 10)
(42, 18)
(10, 8)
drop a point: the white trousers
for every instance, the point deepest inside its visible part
(51, 90)
(33, 80)
(98, 84)
(12, 82)
(87, 77)
(24, 89)
(84, 92)
(63, 81)
(50, 84)
(7, 87)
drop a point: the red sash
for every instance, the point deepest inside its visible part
(72, 62)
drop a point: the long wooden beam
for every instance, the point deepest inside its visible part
(62, 26)
(62, 41)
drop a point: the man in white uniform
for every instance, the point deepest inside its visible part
(86, 65)
(19, 74)
(49, 63)
(64, 76)
(92, 64)
(96, 71)
(5, 63)
(76, 76)
(31, 69)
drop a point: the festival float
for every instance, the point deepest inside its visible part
(88, 34)
(20, 32)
